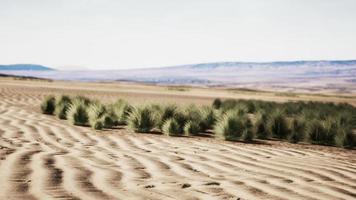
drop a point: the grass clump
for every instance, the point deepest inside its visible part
(260, 126)
(96, 112)
(121, 110)
(344, 138)
(319, 132)
(232, 125)
(164, 113)
(217, 103)
(191, 128)
(181, 118)
(77, 112)
(297, 130)
(209, 118)
(204, 116)
(62, 106)
(171, 127)
(141, 119)
(48, 105)
(277, 125)
(97, 125)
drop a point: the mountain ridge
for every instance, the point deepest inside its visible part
(312, 63)
(25, 67)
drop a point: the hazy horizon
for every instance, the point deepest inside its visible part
(109, 34)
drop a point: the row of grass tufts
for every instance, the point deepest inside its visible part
(234, 120)
(82, 111)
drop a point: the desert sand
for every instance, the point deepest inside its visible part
(42, 157)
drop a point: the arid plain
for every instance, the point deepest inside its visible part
(42, 157)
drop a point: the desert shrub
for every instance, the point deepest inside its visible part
(204, 116)
(315, 130)
(191, 128)
(217, 103)
(141, 119)
(97, 125)
(108, 120)
(297, 130)
(321, 131)
(181, 118)
(331, 127)
(164, 113)
(277, 125)
(120, 111)
(344, 137)
(48, 105)
(231, 126)
(171, 127)
(208, 118)
(62, 105)
(77, 113)
(95, 111)
(260, 126)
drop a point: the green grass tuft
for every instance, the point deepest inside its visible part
(62, 106)
(77, 112)
(121, 110)
(260, 126)
(232, 125)
(297, 130)
(191, 128)
(48, 105)
(277, 125)
(141, 119)
(164, 113)
(217, 103)
(171, 127)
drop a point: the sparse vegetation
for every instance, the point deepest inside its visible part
(178, 88)
(313, 122)
(164, 113)
(141, 119)
(95, 113)
(171, 127)
(277, 125)
(209, 117)
(232, 125)
(191, 128)
(77, 112)
(48, 105)
(297, 130)
(121, 110)
(260, 126)
(217, 103)
(62, 105)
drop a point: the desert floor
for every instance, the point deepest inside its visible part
(42, 157)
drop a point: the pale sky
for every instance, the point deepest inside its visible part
(124, 34)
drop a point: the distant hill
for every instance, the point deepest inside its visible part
(336, 76)
(24, 77)
(301, 63)
(24, 67)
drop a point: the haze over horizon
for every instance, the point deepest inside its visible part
(123, 34)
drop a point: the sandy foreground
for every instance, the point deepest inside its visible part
(42, 157)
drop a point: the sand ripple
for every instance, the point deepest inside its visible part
(42, 157)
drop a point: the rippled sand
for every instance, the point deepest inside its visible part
(42, 157)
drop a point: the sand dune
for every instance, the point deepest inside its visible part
(42, 157)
